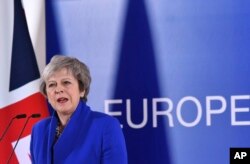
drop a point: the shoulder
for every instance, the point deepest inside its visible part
(107, 125)
(94, 116)
(104, 119)
(43, 122)
(41, 125)
(40, 130)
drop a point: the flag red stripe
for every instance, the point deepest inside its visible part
(35, 103)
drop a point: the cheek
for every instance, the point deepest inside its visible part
(49, 97)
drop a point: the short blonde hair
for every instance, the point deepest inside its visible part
(78, 69)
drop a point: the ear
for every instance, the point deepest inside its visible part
(82, 93)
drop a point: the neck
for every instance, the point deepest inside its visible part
(64, 118)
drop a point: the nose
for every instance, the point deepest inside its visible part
(58, 89)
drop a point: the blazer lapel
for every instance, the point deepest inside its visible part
(51, 137)
(68, 140)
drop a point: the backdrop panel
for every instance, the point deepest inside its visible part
(175, 73)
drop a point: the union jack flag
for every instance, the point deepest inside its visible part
(22, 57)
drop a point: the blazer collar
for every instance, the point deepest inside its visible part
(66, 142)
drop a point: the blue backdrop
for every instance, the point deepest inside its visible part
(175, 73)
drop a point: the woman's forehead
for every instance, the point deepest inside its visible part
(64, 72)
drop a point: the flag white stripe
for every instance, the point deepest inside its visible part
(35, 16)
(19, 94)
(22, 150)
(6, 33)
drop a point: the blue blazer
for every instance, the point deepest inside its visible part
(89, 138)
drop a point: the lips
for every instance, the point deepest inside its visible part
(62, 100)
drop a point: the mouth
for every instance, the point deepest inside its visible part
(62, 100)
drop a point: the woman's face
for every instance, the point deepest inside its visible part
(63, 92)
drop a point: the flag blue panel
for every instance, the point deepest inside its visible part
(52, 42)
(137, 79)
(23, 62)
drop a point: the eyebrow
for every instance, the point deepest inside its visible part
(50, 81)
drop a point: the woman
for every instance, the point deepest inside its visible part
(74, 133)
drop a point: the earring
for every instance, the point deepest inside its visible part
(82, 95)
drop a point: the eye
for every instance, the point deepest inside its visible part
(51, 85)
(66, 82)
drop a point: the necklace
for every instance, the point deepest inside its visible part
(59, 129)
